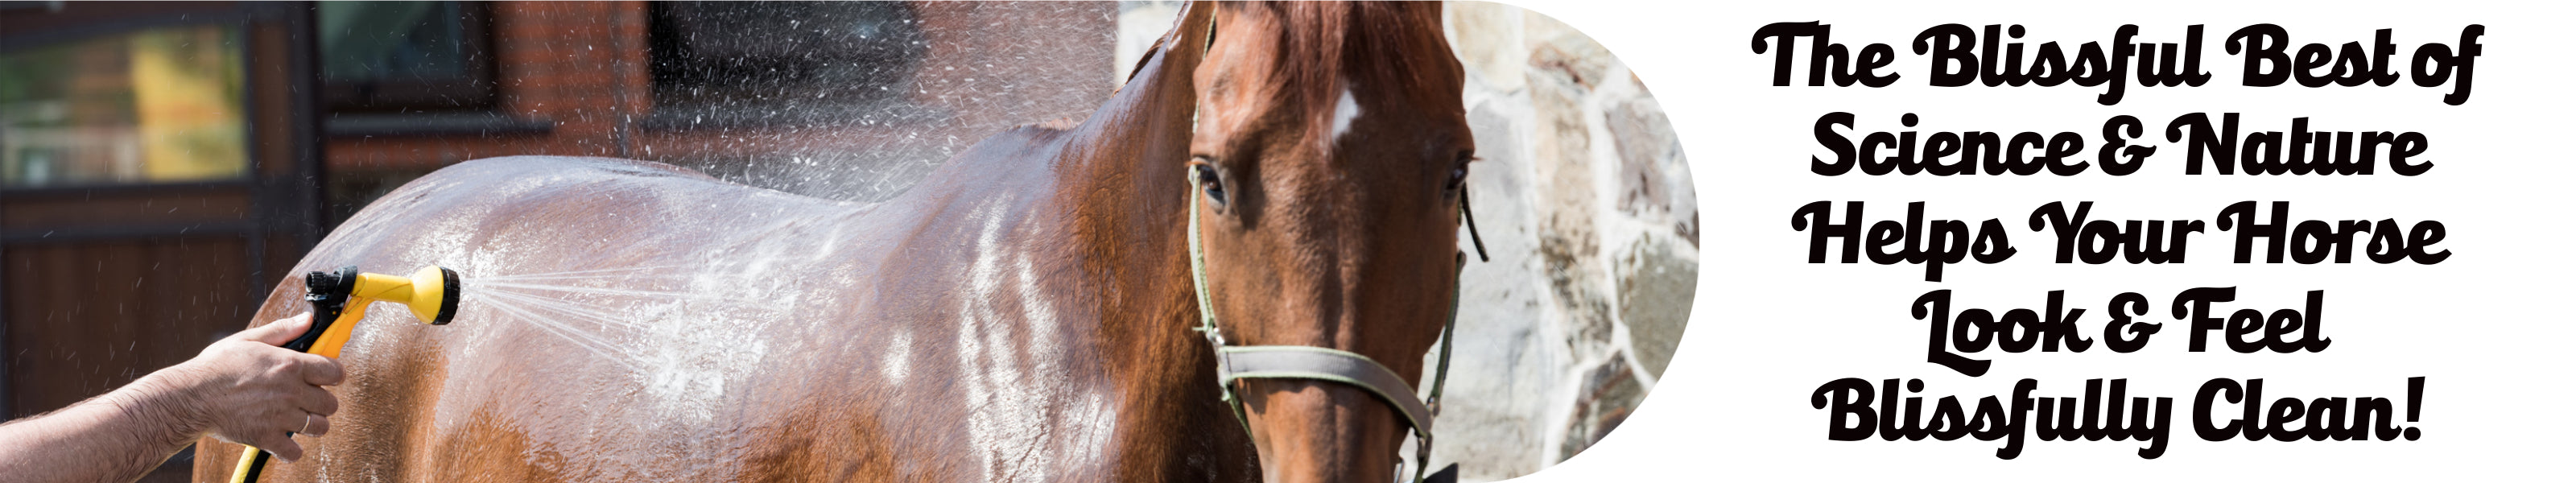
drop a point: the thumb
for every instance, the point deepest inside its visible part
(279, 332)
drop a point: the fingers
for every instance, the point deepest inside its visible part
(281, 444)
(273, 428)
(317, 401)
(279, 332)
(316, 425)
(261, 395)
(318, 370)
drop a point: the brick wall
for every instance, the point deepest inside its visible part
(582, 69)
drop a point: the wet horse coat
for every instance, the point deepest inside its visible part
(1019, 315)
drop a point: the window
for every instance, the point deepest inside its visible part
(150, 106)
(764, 58)
(405, 56)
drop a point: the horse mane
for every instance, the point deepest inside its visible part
(1066, 123)
(1375, 45)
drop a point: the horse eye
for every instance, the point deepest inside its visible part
(1209, 182)
(1458, 175)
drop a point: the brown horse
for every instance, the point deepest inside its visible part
(1020, 315)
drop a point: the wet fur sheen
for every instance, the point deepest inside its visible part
(1020, 315)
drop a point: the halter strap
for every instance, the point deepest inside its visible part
(1305, 362)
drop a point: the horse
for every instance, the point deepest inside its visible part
(1022, 314)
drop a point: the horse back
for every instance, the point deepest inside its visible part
(621, 320)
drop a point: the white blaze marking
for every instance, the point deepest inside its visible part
(1345, 111)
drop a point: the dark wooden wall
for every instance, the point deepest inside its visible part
(101, 283)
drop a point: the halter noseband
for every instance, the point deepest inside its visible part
(1235, 363)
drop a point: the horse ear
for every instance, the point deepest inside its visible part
(1194, 27)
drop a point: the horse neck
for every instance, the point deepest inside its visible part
(1131, 151)
(1120, 192)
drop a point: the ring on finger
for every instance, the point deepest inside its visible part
(308, 424)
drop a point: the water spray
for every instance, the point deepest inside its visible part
(340, 299)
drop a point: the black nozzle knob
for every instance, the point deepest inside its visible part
(449, 292)
(329, 294)
(330, 286)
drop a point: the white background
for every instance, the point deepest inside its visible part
(2487, 327)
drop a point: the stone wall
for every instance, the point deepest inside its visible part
(1585, 199)
(1585, 203)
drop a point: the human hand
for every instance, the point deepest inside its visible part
(247, 390)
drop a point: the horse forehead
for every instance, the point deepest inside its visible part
(1345, 110)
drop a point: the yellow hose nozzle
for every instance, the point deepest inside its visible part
(340, 299)
(430, 292)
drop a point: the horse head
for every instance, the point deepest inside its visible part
(1329, 159)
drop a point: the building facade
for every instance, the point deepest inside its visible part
(162, 165)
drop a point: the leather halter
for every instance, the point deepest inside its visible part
(1235, 363)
